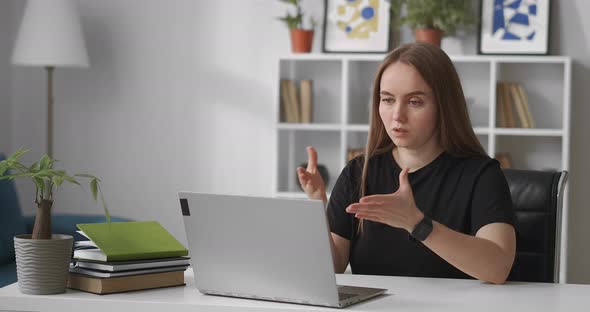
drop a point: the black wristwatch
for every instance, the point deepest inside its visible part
(422, 229)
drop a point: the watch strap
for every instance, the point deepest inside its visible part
(423, 229)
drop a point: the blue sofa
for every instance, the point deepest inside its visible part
(12, 222)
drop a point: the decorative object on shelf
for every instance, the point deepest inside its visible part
(42, 259)
(514, 27)
(301, 38)
(432, 19)
(356, 26)
(504, 159)
(61, 45)
(323, 173)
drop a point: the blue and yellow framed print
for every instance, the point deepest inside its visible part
(356, 26)
(514, 27)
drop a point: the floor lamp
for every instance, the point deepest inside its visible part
(50, 36)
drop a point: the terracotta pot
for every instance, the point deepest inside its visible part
(430, 35)
(301, 40)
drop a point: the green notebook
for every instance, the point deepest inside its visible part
(123, 241)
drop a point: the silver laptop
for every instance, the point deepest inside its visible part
(264, 248)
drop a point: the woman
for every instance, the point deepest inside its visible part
(429, 202)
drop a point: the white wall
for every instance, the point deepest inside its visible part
(570, 35)
(179, 97)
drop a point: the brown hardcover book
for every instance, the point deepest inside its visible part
(305, 92)
(286, 112)
(293, 101)
(111, 285)
(519, 105)
(508, 107)
(500, 104)
(525, 102)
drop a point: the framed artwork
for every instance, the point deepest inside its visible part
(356, 26)
(514, 27)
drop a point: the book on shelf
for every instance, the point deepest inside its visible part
(107, 274)
(305, 95)
(518, 105)
(125, 283)
(504, 104)
(512, 104)
(296, 103)
(519, 92)
(293, 102)
(286, 112)
(117, 266)
(124, 241)
(500, 105)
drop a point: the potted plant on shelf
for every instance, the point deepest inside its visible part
(42, 258)
(301, 38)
(432, 19)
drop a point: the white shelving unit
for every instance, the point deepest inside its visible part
(342, 85)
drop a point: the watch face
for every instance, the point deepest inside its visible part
(422, 229)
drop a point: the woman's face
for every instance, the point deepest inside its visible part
(407, 108)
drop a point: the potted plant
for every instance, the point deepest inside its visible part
(301, 38)
(42, 259)
(433, 19)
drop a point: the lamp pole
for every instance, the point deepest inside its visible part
(49, 70)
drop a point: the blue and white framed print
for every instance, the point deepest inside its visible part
(356, 26)
(514, 27)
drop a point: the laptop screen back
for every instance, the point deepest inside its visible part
(264, 248)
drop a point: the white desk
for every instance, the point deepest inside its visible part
(405, 294)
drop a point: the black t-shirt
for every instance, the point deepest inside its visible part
(464, 194)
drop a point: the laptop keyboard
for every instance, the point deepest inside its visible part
(344, 296)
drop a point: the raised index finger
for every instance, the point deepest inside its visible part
(312, 159)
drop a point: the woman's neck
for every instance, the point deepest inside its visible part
(415, 159)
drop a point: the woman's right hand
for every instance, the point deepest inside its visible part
(310, 179)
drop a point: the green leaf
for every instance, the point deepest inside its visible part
(94, 188)
(44, 162)
(71, 180)
(446, 15)
(3, 167)
(15, 175)
(104, 206)
(14, 157)
(34, 167)
(58, 180)
(45, 173)
(293, 21)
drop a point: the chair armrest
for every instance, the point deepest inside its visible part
(66, 223)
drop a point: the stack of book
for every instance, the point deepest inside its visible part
(126, 256)
(296, 106)
(513, 106)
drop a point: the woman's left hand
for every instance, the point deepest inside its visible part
(397, 209)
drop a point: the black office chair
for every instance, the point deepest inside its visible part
(538, 198)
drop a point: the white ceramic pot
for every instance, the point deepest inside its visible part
(42, 264)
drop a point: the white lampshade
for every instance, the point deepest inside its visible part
(50, 35)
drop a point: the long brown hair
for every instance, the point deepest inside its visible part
(454, 130)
